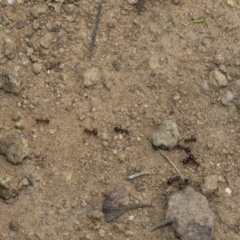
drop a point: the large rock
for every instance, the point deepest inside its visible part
(167, 136)
(14, 145)
(192, 219)
(14, 81)
(8, 48)
(8, 186)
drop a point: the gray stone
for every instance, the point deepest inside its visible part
(192, 219)
(8, 186)
(37, 67)
(14, 145)
(167, 136)
(14, 81)
(218, 79)
(8, 48)
(227, 98)
(47, 39)
(14, 225)
(209, 185)
(91, 77)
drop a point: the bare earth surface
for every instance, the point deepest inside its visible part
(150, 66)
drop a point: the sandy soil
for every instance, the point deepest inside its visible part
(153, 65)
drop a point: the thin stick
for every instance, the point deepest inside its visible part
(84, 211)
(94, 34)
(168, 160)
(138, 175)
(163, 223)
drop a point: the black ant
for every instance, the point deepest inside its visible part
(94, 131)
(119, 129)
(186, 149)
(42, 120)
(172, 180)
(181, 184)
(191, 158)
(191, 139)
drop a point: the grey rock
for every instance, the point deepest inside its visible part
(227, 98)
(14, 81)
(14, 225)
(8, 48)
(37, 11)
(8, 186)
(91, 77)
(37, 67)
(209, 185)
(4, 20)
(116, 64)
(47, 39)
(167, 136)
(218, 79)
(192, 219)
(14, 145)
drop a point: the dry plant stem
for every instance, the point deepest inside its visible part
(138, 175)
(163, 223)
(94, 34)
(169, 161)
(84, 211)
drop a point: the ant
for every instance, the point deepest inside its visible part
(181, 184)
(94, 131)
(191, 158)
(42, 120)
(173, 179)
(191, 139)
(186, 149)
(119, 129)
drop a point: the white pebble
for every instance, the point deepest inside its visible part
(130, 218)
(228, 191)
(132, 1)
(205, 85)
(227, 98)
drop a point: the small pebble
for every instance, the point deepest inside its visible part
(132, 2)
(175, 2)
(14, 225)
(204, 85)
(37, 67)
(228, 191)
(230, 3)
(130, 218)
(227, 98)
(52, 131)
(114, 151)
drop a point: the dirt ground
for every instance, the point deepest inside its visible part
(153, 65)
